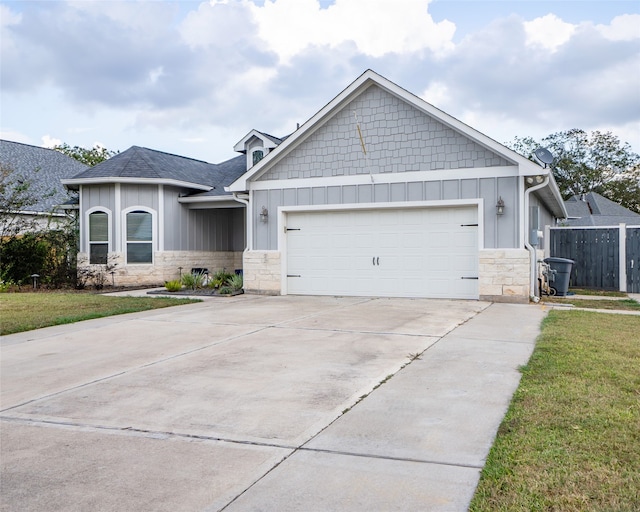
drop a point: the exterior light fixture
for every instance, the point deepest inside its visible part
(264, 214)
(500, 206)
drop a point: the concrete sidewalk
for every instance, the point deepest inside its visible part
(261, 403)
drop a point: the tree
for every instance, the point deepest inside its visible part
(16, 197)
(89, 157)
(595, 162)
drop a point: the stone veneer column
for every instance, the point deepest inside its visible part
(262, 272)
(504, 275)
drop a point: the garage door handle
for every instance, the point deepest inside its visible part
(375, 261)
(463, 277)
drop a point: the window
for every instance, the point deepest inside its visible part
(258, 154)
(98, 237)
(139, 237)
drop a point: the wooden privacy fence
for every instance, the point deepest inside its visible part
(605, 257)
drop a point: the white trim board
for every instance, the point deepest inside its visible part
(384, 178)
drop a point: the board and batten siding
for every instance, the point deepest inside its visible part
(184, 229)
(500, 231)
(220, 229)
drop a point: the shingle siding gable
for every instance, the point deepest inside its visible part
(398, 137)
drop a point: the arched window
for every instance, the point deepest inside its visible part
(258, 154)
(139, 237)
(98, 237)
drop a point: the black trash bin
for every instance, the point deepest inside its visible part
(562, 267)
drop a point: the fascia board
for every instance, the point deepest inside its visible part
(268, 143)
(214, 201)
(135, 181)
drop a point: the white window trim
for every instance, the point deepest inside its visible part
(154, 232)
(87, 235)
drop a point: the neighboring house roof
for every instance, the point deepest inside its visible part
(45, 168)
(592, 209)
(550, 194)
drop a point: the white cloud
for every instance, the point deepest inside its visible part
(437, 94)
(548, 32)
(49, 142)
(622, 28)
(375, 28)
(8, 17)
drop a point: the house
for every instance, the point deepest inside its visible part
(43, 169)
(378, 194)
(382, 194)
(151, 215)
(594, 210)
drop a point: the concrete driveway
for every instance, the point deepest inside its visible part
(261, 403)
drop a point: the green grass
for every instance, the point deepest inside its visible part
(570, 440)
(26, 311)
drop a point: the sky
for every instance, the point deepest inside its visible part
(193, 78)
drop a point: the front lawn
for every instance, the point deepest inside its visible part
(571, 438)
(26, 311)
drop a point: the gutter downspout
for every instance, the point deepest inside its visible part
(245, 201)
(533, 289)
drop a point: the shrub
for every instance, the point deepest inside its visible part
(235, 282)
(173, 286)
(193, 281)
(220, 278)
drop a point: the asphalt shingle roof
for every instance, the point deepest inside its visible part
(592, 209)
(44, 168)
(139, 162)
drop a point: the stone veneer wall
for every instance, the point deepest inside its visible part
(165, 266)
(262, 272)
(504, 275)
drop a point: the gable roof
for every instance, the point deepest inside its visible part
(269, 140)
(550, 194)
(592, 209)
(45, 168)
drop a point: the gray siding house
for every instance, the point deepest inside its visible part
(378, 194)
(382, 194)
(152, 215)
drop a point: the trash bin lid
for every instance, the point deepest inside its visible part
(558, 260)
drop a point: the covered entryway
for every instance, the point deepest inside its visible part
(388, 252)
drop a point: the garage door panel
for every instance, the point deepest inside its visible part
(396, 252)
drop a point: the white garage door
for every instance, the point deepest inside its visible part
(426, 252)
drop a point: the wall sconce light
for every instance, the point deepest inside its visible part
(500, 206)
(264, 214)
